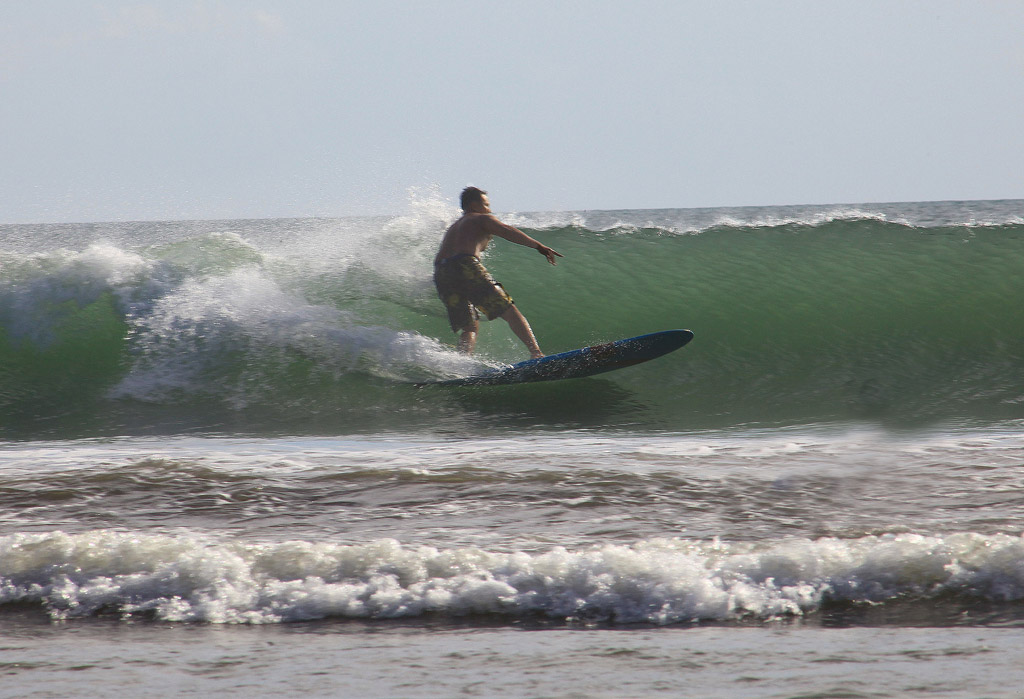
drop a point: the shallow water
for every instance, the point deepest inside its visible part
(785, 660)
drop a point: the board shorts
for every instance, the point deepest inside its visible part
(466, 289)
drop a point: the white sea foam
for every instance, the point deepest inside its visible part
(218, 305)
(205, 320)
(38, 290)
(191, 578)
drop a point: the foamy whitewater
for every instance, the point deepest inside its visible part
(215, 448)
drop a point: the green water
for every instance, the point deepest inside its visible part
(853, 319)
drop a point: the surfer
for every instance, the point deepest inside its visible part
(465, 286)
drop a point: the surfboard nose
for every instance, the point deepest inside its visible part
(669, 340)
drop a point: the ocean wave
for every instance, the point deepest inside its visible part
(799, 316)
(659, 581)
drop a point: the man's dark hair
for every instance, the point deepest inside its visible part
(471, 195)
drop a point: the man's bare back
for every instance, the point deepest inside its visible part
(467, 236)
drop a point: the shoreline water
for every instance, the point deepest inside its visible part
(388, 660)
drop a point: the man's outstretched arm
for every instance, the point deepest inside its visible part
(514, 235)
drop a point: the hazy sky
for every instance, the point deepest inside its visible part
(119, 110)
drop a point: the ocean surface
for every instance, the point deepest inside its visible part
(218, 475)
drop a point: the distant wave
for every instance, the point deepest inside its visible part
(922, 215)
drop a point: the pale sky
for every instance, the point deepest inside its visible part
(180, 109)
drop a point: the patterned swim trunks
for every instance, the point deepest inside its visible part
(466, 288)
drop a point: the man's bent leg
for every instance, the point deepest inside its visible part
(517, 321)
(467, 341)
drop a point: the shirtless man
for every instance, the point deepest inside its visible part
(465, 287)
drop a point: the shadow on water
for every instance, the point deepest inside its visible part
(23, 617)
(945, 611)
(572, 404)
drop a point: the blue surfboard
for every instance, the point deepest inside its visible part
(581, 362)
